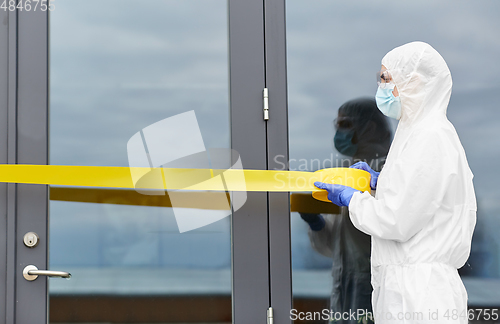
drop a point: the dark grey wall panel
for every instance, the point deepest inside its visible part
(248, 137)
(277, 139)
(32, 148)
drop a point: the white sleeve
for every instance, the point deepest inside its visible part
(410, 190)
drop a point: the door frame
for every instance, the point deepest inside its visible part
(280, 279)
(24, 108)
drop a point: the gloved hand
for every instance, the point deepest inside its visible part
(338, 194)
(316, 221)
(366, 167)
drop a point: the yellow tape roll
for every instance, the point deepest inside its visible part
(354, 178)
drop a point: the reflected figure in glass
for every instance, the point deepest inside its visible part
(363, 134)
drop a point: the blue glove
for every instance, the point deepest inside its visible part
(316, 221)
(366, 167)
(338, 194)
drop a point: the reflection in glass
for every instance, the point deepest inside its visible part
(116, 68)
(362, 133)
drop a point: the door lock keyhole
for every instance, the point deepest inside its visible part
(31, 239)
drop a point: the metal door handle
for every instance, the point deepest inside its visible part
(31, 272)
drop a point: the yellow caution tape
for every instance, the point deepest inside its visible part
(185, 179)
(186, 199)
(299, 202)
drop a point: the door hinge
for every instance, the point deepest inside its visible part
(266, 104)
(270, 319)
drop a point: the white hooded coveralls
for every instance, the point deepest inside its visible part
(424, 212)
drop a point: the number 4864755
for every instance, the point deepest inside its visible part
(28, 5)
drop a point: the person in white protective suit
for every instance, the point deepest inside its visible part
(423, 215)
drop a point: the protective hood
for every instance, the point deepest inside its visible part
(423, 214)
(422, 78)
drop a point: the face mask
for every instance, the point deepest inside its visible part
(343, 143)
(387, 103)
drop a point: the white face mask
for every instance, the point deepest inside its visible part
(387, 103)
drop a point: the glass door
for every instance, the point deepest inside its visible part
(140, 85)
(157, 72)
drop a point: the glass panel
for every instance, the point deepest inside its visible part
(334, 50)
(116, 68)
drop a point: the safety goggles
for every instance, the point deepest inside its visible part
(384, 79)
